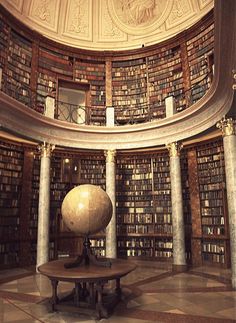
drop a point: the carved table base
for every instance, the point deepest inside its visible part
(88, 295)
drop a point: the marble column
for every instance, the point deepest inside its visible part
(179, 258)
(44, 204)
(227, 126)
(111, 243)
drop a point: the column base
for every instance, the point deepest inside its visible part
(179, 268)
(233, 281)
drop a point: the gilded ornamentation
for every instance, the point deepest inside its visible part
(110, 155)
(227, 126)
(46, 149)
(174, 148)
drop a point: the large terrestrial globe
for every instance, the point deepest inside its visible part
(86, 209)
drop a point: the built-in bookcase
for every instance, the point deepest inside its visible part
(144, 223)
(4, 36)
(165, 73)
(200, 57)
(92, 73)
(52, 64)
(11, 166)
(19, 67)
(129, 89)
(139, 80)
(213, 205)
(186, 203)
(143, 203)
(69, 170)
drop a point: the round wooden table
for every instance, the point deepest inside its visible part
(88, 293)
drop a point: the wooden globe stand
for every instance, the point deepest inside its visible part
(88, 257)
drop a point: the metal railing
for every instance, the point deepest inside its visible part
(96, 115)
(89, 115)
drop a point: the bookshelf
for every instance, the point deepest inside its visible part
(25, 208)
(93, 73)
(52, 64)
(34, 197)
(144, 206)
(98, 245)
(200, 56)
(68, 170)
(46, 85)
(19, 67)
(213, 206)
(4, 37)
(143, 203)
(11, 166)
(187, 210)
(33, 223)
(140, 79)
(162, 206)
(165, 78)
(129, 89)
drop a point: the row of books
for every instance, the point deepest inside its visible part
(213, 247)
(213, 220)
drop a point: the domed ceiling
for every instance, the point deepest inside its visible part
(108, 24)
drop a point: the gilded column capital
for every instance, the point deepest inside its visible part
(174, 148)
(227, 126)
(45, 149)
(110, 155)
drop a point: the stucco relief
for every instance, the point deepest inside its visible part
(79, 19)
(138, 11)
(204, 3)
(139, 16)
(45, 13)
(107, 29)
(42, 11)
(17, 4)
(108, 24)
(181, 11)
(14, 5)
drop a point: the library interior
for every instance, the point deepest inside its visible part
(133, 103)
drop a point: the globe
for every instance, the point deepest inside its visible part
(86, 209)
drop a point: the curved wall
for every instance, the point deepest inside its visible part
(191, 122)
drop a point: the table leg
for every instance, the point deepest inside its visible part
(92, 300)
(101, 310)
(54, 293)
(118, 288)
(77, 291)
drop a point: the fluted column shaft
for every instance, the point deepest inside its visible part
(44, 205)
(111, 239)
(179, 259)
(229, 141)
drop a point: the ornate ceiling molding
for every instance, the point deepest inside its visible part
(108, 24)
(139, 17)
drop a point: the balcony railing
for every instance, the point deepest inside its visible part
(96, 115)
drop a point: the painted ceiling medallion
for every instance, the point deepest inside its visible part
(138, 17)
